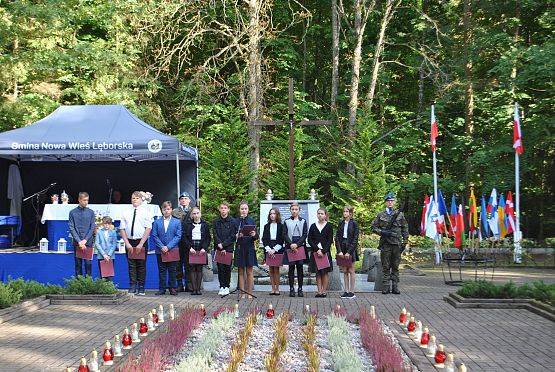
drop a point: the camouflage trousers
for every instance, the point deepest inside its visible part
(390, 256)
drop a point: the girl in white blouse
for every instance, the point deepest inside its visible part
(272, 243)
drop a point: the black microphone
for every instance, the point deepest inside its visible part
(108, 182)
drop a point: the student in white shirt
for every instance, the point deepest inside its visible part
(135, 227)
(273, 243)
(346, 243)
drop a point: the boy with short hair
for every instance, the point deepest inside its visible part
(81, 226)
(166, 232)
(135, 227)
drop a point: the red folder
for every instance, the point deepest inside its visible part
(321, 262)
(247, 229)
(171, 256)
(106, 268)
(344, 261)
(224, 258)
(133, 254)
(296, 256)
(197, 258)
(275, 261)
(86, 253)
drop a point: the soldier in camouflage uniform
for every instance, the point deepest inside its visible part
(394, 236)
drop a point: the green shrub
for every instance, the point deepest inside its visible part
(8, 296)
(550, 242)
(369, 241)
(32, 289)
(483, 289)
(86, 285)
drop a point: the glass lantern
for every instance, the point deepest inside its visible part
(62, 245)
(43, 245)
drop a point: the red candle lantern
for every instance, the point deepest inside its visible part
(403, 316)
(270, 312)
(440, 356)
(83, 367)
(154, 317)
(108, 354)
(202, 309)
(412, 325)
(425, 339)
(126, 340)
(143, 328)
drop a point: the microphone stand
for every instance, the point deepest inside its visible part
(35, 202)
(238, 290)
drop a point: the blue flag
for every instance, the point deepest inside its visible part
(484, 218)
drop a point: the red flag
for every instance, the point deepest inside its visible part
(434, 131)
(423, 218)
(517, 134)
(459, 233)
(510, 213)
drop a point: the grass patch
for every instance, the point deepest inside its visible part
(537, 290)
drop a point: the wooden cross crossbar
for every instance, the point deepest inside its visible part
(292, 125)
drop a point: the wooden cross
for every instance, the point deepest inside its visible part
(292, 125)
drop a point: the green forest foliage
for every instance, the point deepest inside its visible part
(55, 52)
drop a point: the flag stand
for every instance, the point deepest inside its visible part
(517, 145)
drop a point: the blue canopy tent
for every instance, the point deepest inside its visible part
(96, 148)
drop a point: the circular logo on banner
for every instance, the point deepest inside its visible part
(154, 145)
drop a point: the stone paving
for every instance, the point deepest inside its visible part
(485, 340)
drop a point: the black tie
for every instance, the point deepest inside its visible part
(133, 222)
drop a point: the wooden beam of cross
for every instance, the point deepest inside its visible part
(292, 125)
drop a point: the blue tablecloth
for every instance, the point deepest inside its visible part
(60, 229)
(53, 268)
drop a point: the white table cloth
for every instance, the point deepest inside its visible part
(60, 212)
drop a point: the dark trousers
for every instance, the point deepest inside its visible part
(196, 276)
(108, 278)
(137, 268)
(300, 274)
(390, 256)
(183, 274)
(224, 275)
(79, 266)
(166, 273)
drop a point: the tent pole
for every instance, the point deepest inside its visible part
(177, 176)
(197, 181)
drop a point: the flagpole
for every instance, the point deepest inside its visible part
(434, 164)
(517, 234)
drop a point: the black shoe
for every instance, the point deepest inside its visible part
(386, 291)
(160, 292)
(395, 290)
(198, 293)
(193, 293)
(180, 289)
(345, 295)
(300, 292)
(141, 291)
(352, 295)
(291, 293)
(131, 289)
(318, 295)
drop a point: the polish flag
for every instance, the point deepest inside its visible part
(434, 131)
(517, 134)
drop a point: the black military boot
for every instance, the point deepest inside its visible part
(386, 289)
(395, 289)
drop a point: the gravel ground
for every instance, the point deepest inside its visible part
(294, 356)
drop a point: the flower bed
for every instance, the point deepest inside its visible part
(256, 343)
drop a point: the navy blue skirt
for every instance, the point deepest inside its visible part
(245, 255)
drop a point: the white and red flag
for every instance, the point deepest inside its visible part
(517, 133)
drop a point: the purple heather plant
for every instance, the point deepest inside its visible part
(385, 354)
(157, 352)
